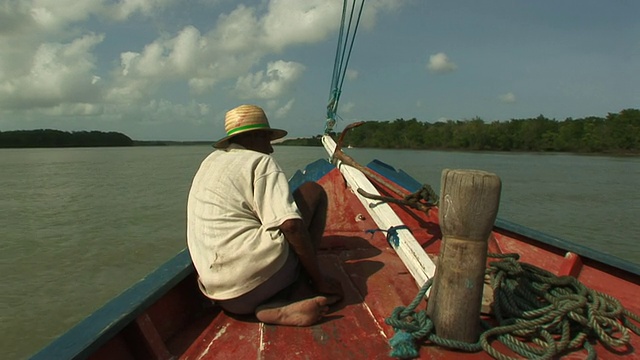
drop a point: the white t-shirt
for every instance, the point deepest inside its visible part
(238, 198)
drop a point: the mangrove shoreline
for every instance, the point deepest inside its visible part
(614, 134)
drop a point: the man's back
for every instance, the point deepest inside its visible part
(237, 200)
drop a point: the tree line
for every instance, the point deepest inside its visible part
(56, 138)
(614, 133)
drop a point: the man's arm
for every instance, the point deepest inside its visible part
(298, 237)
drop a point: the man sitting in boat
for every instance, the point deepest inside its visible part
(247, 235)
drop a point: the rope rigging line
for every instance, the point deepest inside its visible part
(423, 199)
(341, 60)
(536, 314)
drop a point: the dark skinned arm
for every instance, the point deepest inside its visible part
(297, 235)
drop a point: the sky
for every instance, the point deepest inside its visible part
(170, 70)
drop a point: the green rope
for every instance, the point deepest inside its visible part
(412, 326)
(537, 315)
(341, 60)
(424, 199)
(425, 193)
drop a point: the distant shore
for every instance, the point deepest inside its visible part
(49, 138)
(616, 134)
(169, 143)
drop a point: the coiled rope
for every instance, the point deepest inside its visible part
(341, 60)
(537, 315)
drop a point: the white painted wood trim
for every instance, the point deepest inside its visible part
(420, 266)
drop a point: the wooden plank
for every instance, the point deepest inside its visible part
(408, 249)
(349, 331)
(151, 338)
(227, 338)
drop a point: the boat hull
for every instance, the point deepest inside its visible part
(164, 316)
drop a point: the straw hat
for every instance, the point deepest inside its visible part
(246, 118)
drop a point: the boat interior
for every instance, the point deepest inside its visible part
(183, 324)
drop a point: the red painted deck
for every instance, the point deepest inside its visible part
(375, 281)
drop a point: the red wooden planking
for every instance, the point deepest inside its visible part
(345, 212)
(226, 338)
(375, 282)
(177, 308)
(545, 257)
(625, 289)
(353, 336)
(607, 280)
(116, 348)
(348, 332)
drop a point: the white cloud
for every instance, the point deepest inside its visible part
(180, 58)
(123, 9)
(236, 44)
(284, 110)
(373, 8)
(162, 111)
(201, 60)
(351, 74)
(52, 62)
(14, 18)
(237, 32)
(169, 111)
(186, 45)
(56, 15)
(440, 63)
(57, 73)
(74, 109)
(48, 59)
(290, 22)
(507, 98)
(347, 107)
(59, 15)
(269, 84)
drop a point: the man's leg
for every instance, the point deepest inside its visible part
(311, 199)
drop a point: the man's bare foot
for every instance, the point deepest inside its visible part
(332, 299)
(301, 313)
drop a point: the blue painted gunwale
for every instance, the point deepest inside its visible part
(405, 180)
(95, 330)
(87, 336)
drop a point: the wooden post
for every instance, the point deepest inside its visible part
(469, 202)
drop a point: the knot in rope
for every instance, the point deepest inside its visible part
(412, 326)
(409, 326)
(425, 193)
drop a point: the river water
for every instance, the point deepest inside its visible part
(80, 225)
